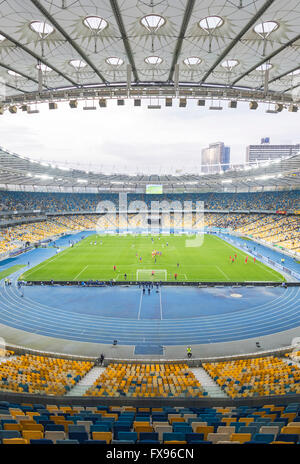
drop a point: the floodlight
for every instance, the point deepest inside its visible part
(169, 101)
(52, 106)
(201, 103)
(182, 102)
(232, 104)
(73, 103)
(137, 102)
(102, 103)
(13, 109)
(293, 108)
(120, 102)
(253, 105)
(278, 107)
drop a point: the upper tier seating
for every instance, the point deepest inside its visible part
(256, 376)
(146, 380)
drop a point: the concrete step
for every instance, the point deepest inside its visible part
(84, 384)
(207, 383)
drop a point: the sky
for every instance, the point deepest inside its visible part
(135, 139)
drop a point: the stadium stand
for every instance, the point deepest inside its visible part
(25, 423)
(147, 380)
(59, 202)
(255, 377)
(41, 374)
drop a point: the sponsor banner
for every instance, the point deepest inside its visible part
(280, 212)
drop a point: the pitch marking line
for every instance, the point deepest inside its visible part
(80, 272)
(48, 261)
(225, 275)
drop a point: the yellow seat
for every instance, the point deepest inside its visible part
(8, 426)
(241, 437)
(35, 427)
(32, 434)
(205, 430)
(107, 436)
(14, 441)
(175, 442)
(294, 430)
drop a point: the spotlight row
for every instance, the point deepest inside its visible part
(253, 105)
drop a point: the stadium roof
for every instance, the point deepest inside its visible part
(211, 49)
(20, 173)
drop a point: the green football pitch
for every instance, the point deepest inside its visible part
(181, 255)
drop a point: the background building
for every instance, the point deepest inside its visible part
(265, 151)
(215, 158)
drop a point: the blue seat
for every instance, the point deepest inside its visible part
(76, 428)
(156, 442)
(67, 442)
(117, 442)
(249, 429)
(183, 429)
(42, 441)
(290, 437)
(100, 428)
(131, 436)
(148, 436)
(237, 425)
(263, 437)
(55, 428)
(79, 436)
(202, 442)
(94, 442)
(281, 419)
(9, 434)
(194, 437)
(173, 436)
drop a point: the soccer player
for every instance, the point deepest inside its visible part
(235, 256)
(153, 273)
(175, 275)
(140, 258)
(232, 261)
(115, 268)
(125, 276)
(246, 260)
(229, 258)
(177, 264)
(254, 259)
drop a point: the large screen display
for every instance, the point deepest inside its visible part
(158, 189)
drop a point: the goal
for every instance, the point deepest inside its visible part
(146, 275)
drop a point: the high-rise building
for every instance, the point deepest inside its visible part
(215, 158)
(265, 151)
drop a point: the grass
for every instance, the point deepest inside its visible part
(209, 262)
(10, 270)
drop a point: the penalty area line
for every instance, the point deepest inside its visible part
(75, 278)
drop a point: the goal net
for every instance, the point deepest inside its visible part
(151, 274)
